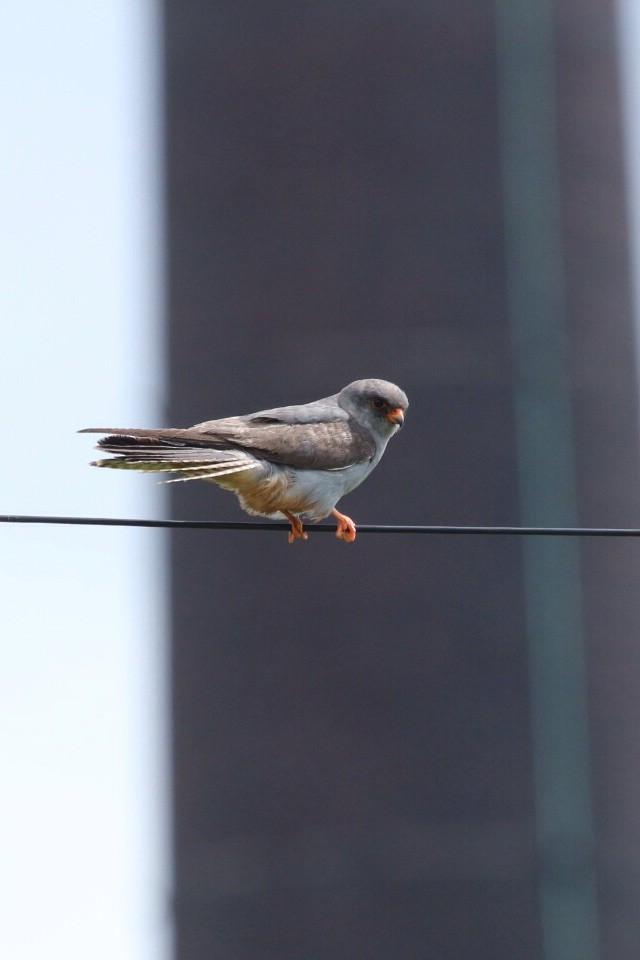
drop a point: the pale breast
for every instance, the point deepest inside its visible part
(311, 493)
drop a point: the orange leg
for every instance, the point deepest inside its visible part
(346, 527)
(297, 530)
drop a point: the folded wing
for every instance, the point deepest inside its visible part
(321, 445)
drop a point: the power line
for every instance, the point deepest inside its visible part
(330, 528)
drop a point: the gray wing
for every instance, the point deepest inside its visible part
(313, 436)
(310, 436)
(306, 446)
(318, 411)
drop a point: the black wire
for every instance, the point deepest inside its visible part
(330, 528)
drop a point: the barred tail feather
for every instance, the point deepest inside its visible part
(209, 474)
(207, 470)
(164, 452)
(125, 463)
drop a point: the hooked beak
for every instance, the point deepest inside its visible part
(396, 416)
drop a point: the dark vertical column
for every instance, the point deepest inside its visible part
(353, 767)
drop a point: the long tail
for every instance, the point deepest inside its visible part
(168, 452)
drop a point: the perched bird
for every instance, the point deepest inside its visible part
(297, 461)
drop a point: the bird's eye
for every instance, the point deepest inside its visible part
(378, 403)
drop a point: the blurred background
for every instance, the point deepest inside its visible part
(217, 745)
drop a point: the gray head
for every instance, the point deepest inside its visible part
(377, 404)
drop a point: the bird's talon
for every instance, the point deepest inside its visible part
(346, 529)
(297, 531)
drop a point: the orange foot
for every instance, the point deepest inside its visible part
(346, 527)
(297, 530)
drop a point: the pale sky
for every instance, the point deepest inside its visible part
(628, 12)
(82, 809)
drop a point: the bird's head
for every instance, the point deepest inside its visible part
(376, 404)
